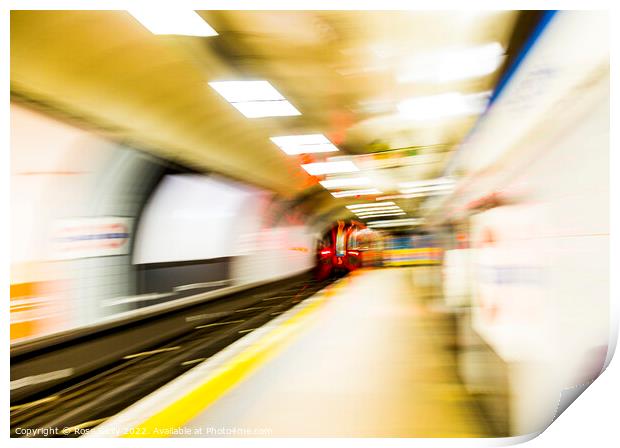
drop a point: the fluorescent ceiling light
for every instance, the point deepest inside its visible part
(172, 21)
(309, 149)
(378, 212)
(304, 144)
(377, 215)
(261, 109)
(445, 105)
(427, 182)
(393, 223)
(319, 168)
(382, 215)
(345, 182)
(428, 189)
(413, 195)
(297, 140)
(370, 204)
(243, 91)
(350, 193)
(455, 65)
(255, 99)
(381, 210)
(375, 209)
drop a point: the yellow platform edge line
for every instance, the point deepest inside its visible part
(412, 263)
(227, 376)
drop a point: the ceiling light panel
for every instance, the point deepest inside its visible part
(445, 105)
(173, 21)
(413, 195)
(377, 215)
(353, 193)
(255, 99)
(381, 210)
(320, 168)
(243, 91)
(393, 223)
(375, 209)
(382, 215)
(370, 204)
(427, 189)
(427, 182)
(304, 144)
(345, 182)
(262, 109)
(378, 211)
(454, 65)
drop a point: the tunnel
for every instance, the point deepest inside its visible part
(306, 223)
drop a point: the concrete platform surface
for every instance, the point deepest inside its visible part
(376, 362)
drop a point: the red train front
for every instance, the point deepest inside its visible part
(338, 251)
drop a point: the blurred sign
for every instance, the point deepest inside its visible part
(558, 71)
(92, 237)
(511, 280)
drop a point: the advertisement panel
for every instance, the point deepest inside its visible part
(91, 237)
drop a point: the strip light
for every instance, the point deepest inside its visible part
(255, 99)
(445, 105)
(173, 21)
(374, 210)
(345, 182)
(380, 212)
(351, 193)
(320, 168)
(428, 182)
(455, 65)
(377, 215)
(427, 189)
(262, 109)
(394, 223)
(413, 195)
(244, 91)
(370, 204)
(304, 144)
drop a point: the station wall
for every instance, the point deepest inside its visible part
(99, 229)
(536, 201)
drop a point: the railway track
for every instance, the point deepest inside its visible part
(66, 408)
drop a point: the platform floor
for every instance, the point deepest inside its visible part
(377, 361)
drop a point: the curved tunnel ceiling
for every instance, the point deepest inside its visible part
(339, 69)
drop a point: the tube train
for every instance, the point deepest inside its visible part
(340, 251)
